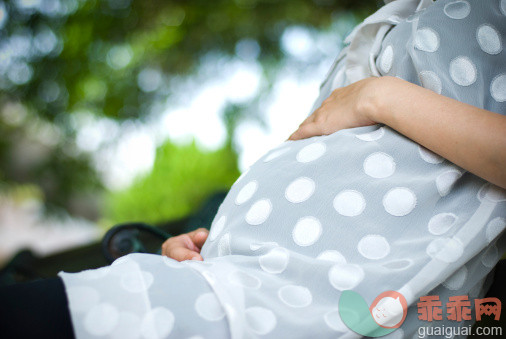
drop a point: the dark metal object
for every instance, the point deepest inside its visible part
(123, 239)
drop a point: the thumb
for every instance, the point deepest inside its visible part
(306, 131)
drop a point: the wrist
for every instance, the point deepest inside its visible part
(379, 96)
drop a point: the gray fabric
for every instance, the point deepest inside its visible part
(365, 209)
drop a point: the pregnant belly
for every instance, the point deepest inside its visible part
(357, 191)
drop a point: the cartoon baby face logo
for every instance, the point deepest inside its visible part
(386, 313)
(389, 309)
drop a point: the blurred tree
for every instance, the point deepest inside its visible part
(115, 58)
(187, 176)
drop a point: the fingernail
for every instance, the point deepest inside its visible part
(195, 258)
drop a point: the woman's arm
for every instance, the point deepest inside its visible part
(470, 137)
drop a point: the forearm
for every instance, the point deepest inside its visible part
(470, 137)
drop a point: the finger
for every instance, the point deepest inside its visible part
(187, 241)
(199, 237)
(306, 131)
(183, 240)
(308, 120)
(181, 253)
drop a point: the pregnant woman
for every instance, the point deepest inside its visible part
(395, 182)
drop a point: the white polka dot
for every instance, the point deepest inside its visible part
(275, 261)
(446, 181)
(333, 320)
(431, 81)
(447, 250)
(311, 152)
(490, 257)
(399, 201)
(246, 192)
(387, 59)
(373, 246)
(244, 279)
(224, 245)
(400, 264)
(295, 296)
(217, 228)
(332, 255)
(259, 212)
(157, 323)
(495, 227)
(128, 327)
(372, 136)
(276, 154)
(428, 156)
(136, 281)
(457, 9)
(260, 320)
(307, 231)
(427, 40)
(502, 6)
(349, 203)
(82, 298)
(379, 165)
(498, 88)
(491, 193)
(456, 280)
(463, 71)
(209, 307)
(441, 223)
(101, 319)
(489, 39)
(300, 190)
(345, 276)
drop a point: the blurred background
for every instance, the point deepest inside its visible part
(124, 110)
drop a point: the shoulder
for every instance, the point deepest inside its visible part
(460, 45)
(465, 12)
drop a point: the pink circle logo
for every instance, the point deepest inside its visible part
(389, 309)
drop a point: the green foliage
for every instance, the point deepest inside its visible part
(181, 179)
(117, 58)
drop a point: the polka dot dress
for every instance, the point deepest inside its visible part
(363, 209)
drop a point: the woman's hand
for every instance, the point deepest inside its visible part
(185, 246)
(346, 107)
(470, 137)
